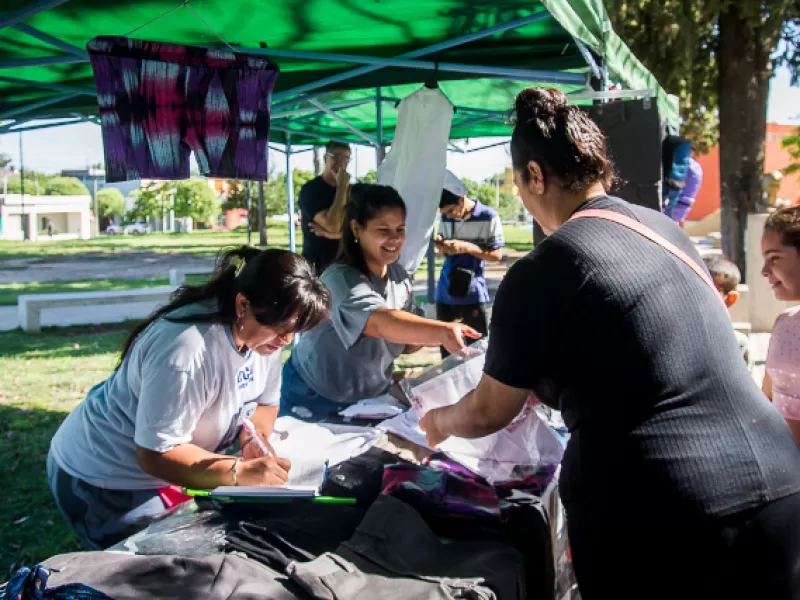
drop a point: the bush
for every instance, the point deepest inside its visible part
(65, 186)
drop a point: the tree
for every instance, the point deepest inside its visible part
(718, 57)
(110, 203)
(509, 206)
(792, 144)
(35, 183)
(299, 179)
(371, 176)
(5, 162)
(193, 198)
(15, 185)
(151, 201)
(64, 186)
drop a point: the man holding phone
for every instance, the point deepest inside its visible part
(470, 234)
(322, 201)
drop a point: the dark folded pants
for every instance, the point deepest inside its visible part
(394, 554)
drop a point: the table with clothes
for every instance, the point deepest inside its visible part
(423, 526)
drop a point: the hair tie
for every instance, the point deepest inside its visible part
(239, 263)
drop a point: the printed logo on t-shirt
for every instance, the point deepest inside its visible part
(249, 408)
(244, 377)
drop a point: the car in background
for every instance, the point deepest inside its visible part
(137, 228)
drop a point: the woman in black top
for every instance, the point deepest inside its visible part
(680, 480)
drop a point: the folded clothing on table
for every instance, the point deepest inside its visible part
(394, 554)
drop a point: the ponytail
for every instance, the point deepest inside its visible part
(280, 286)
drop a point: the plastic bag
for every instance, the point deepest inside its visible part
(186, 530)
(503, 456)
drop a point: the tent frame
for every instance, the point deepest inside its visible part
(306, 100)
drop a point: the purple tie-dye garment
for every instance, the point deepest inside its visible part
(159, 102)
(441, 494)
(444, 490)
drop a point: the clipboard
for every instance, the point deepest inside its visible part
(270, 495)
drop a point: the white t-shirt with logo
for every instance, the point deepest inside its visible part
(181, 383)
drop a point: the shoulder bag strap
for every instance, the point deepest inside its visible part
(651, 235)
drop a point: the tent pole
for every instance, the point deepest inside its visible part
(459, 41)
(262, 216)
(314, 110)
(431, 256)
(344, 122)
(53, 41)
(42, 61)
(51, 86)
(290, 192)
(308, 134)
(249, 211)
(487, 147)
(26, 13)
(13, 127)
(28, 107)
(511, 73)
(380, 150)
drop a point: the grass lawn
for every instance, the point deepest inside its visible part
(9, 292)
(204, 243)
(42, 378)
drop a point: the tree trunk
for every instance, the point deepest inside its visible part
(744, 73)
(318, 160)
(262, 216)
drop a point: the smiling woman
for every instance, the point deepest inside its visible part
(187, 378)
(351, 357)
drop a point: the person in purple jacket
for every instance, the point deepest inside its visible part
(694, 179)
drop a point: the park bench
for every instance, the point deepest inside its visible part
(30, 306)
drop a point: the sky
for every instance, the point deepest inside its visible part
(77, 146)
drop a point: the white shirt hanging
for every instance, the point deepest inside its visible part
(415, 166)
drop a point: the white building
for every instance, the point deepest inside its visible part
(70, 215)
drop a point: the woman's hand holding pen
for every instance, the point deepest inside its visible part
(265, 470)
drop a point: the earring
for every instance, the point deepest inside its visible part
(239, 322)
(357, 241)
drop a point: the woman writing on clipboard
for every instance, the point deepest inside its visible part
(187, 378)
(680, 480)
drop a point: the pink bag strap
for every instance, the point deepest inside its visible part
(651, 235)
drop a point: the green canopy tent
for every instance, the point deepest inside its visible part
(344, 63)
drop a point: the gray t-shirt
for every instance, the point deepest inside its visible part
(336, 359)
(180, 383)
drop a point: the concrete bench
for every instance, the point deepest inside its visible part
(30, 306)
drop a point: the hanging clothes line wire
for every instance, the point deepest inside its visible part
(209, 27)
(154, 19)
(188, 6)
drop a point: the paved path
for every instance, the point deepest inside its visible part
(96, 265)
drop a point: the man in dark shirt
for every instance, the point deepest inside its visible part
(320, 215)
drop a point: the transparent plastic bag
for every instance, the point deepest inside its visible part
(501, 457)
(186, 530)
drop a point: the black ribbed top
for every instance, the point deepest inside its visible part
(640, 356)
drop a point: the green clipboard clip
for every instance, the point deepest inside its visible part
(262, 500)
